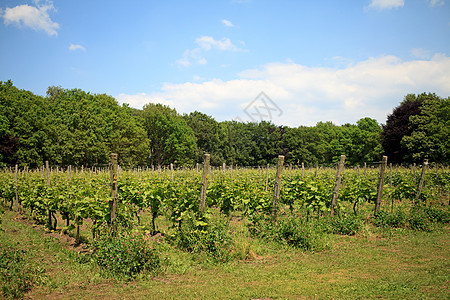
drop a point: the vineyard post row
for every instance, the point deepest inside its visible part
(207, 172)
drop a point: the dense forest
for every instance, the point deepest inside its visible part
(74, 127)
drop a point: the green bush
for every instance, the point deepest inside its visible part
(419, 220)
(16, 276)
(399, 219)
(126, 255)
(345, 224)
(210, 236)
(289, 229)
(438, 214)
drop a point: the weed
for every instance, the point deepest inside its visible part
(125, 255)
(16, 275)
(290, 229)
(210, 236)
(344, 224)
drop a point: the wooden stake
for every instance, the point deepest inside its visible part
(380, 184)
(113, 205)
(390, 175)
(337, 185)
(277, 189)
(422, 179)
(16, 199)
(204, 186)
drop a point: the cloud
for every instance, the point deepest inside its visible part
(35, 17)
(227, 23)
(434, 3)
(421, 53)
(386, 4)
(208, 43)
(189, 56)
(205, 44)
(307, 95)
(74, 47)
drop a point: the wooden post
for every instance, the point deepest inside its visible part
(204, 186)
(277, 189)
(223, 169)
(231, 170)
(290, 170)
(337, 185)
(390, 175)
(171, 172)
(380, 184)
(267, 177)
(422, 179)
(303, 170)
(365, 169)
(113, 173)
(414, 172)
(49, 221)
(317, 170)
(16, 199)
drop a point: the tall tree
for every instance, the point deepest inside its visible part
(211, 137)
(397, 126)
(24, 123)
(171, 139)
(430, 136)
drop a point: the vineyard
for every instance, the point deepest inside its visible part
(194, 209)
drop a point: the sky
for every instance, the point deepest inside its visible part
(290, 62)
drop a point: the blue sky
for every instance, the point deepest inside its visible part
(314, 61)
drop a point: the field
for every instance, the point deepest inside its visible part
(63, 245)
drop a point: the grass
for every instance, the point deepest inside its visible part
(382, 263)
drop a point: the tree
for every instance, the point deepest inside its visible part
(430, 136)
(397, 126)
(23, 126)
(171, 139)
(85, 128)
(211, 137)
(365, 142)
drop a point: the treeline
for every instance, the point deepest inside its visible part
(74, 127)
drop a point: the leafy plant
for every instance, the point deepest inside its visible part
(344, 224)
(208, 235)
(126, 255)
(16, 275)
(290, 229)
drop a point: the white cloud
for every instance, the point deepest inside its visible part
(208, 42)
(421, 53)
(74, 47)
(205, 43)
(307, 95)
(227, 23)
(34, 17)
(434, 3)
(386, 4)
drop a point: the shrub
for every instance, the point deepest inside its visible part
(16, 276)
(419, 220)
(210, 236)
(289, 230)
(126, 255)
(345, 224)
(438, 215)
(398, 219)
